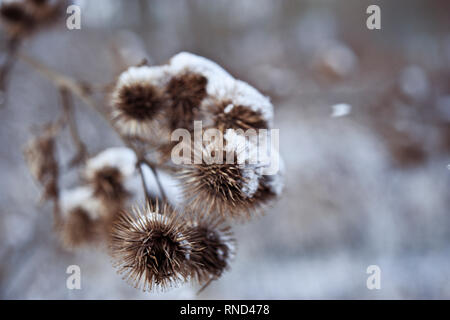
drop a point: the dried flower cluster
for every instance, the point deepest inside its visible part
(151, 102)
(153, 246)
(186, 89)
(157, 247)
(22, 17)
(94, 205)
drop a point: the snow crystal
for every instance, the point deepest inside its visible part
(228, 108)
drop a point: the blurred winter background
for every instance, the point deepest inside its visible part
(364, 119)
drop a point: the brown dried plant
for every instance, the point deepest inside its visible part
(79, 229)
(157, 247)
(228, 116)
(40, 155)
(151, 247)
(214, 247)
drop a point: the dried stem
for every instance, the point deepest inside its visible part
(144, 184)
(152, 167)
(206, 285)
(67, 102)
(83, 91)
(11, 56)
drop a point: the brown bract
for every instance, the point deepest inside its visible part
(239, 117)
(140, 102)
(186, 92)
(108, 185)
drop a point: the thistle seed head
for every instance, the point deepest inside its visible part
(138, 101)
(224, 187)
(150, 247)
(107, 172)
(108, 184)
(214, 247)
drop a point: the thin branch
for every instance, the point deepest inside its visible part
(11, 56)
(206, 285)
(152, 167)
(67, 102)
(79, 89)
(144, 184)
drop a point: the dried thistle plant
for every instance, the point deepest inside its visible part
(40, 155)
(22, 18)
(158, 247)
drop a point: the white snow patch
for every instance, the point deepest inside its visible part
(156, 75)
(124, 159)
(341, 109)
(81, 197)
